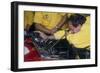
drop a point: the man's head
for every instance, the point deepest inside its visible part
(75, 22)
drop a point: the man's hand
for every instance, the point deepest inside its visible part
(44, 36)
(43, 29)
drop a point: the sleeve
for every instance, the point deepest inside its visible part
(38, 17)
(59, 34)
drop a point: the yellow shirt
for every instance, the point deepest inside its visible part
(80, 39)
(48, 19)
(59, 34)
(28, 18)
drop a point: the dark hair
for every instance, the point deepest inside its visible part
(77, 19)
(32, 27)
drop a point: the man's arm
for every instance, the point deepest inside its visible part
(43, 29)
(53, 30)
